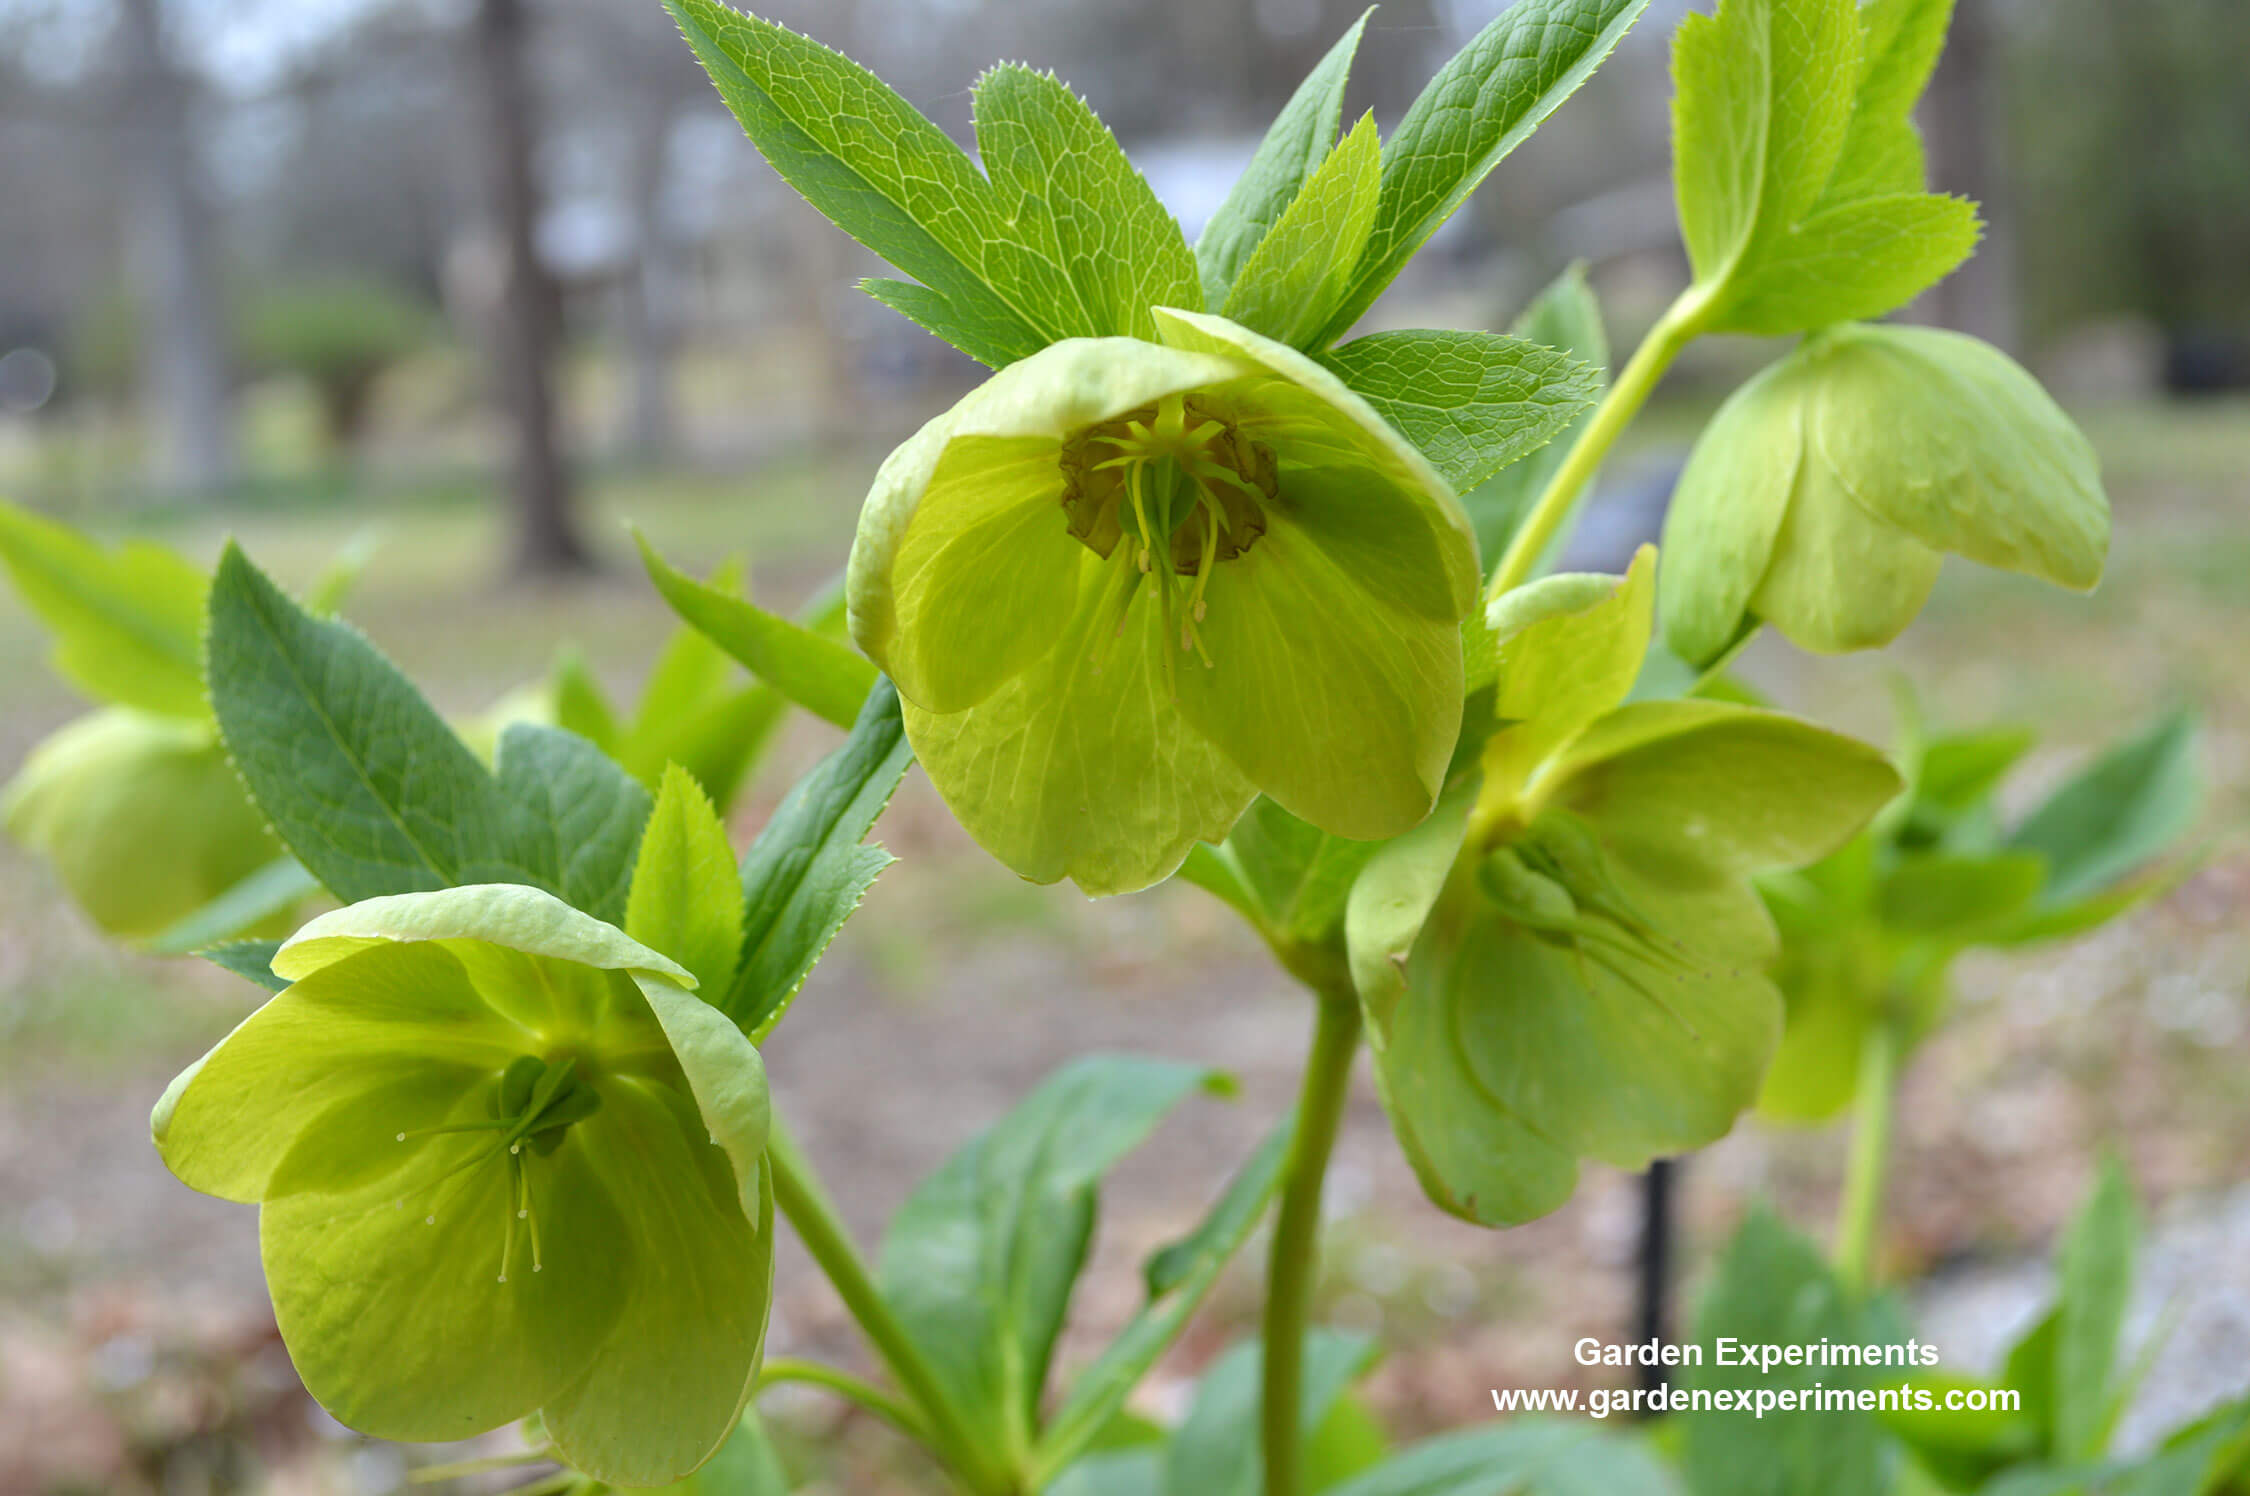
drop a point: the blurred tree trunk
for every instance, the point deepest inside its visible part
(530, 311)
(652, 291)
(1967, 117)
(182, 342)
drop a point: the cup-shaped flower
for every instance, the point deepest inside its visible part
(140, 815)
(1124, 586)
(505, 1162)
(1825, 493)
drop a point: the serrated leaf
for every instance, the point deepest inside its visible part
(1473, 402)
(2118, 813)
(807, 871)
(1480, 106)
(360, 777)
(881, 171)
(1298, 141)
(1215, 1452)
(979, 1262)
(572, 817)
(1178, 1279)
(937, 316)
(819, 674)
(1299, 270)
(1066, 192)
(687, 900)
(1854, 262)
(128, 622)
(1882, 150)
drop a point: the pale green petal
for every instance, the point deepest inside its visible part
(1014, 423)
(141, 816)
(1082, 772)
(396, 1026)
(664, 1389)
(1727, 512)
(521, 918)
(404, 1330)
(1558, 673)
(1841, 579)
(1951, 440)
(725, 1075)
(1342, 709)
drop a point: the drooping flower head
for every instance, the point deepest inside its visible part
(506, 1163)
(1125, 586)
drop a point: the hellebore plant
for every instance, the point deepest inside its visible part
(1189, 584)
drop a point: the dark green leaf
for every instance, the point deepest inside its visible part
(1959, 897)
(2097, 1282)
(248, 958)
(2118, 813)
(573, 817)
(1473, 402)
(1297, 875)
(268, 893)
(1521, 1457)
(807, 871)
(1215, 1452)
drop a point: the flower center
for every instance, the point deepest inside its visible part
(533, 1106)
(1173, 490)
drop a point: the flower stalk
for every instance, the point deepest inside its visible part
(1859, 1217)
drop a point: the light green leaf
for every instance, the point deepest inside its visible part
(1525, 1456)
(1882, 151)
(807, 871)
(572, 817)
(1557, 673)
(128, 623)
(1065, 191)
(581, 705)
(1473, 402)
(1855, 261)
(820, 675)
(2096, 1270)
(979, 1263)
(259, 899)
(1300, 269)
(1179, 1278)
(1297, 875)
(937, 316)
(1113, 1472)
(881, 172)
(1480, 106)
(1567, 318)
(1300, 139)
(2118, 813)
(1960, 897)
(686, 899)
(1215, 1452)
(746, 1465)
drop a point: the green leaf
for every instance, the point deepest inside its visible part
(1480, 106)
(687, 900)
(1296, 875)
(1959, 897)
(1774, 1289)
(1962, 1449)
(807, 871)
(1567, 318)
(1065, 191)
(1215, 1452)
(267, 894)
(820, 675)
(360, 776)
(1179, 1277)
(128, 623)
(938, 317)
(252, 959)
(2118, 813)
(1474, 402)
(1882, 150)
(1959, 771)
(979, 1263)
(572, 817)
(883, 173)
(1299, 270)
(1391, 901)
(2097, 1282)
(1525, 1456)
(1855, 262)
(1561, 671)
(746, 1465)
(1113, 1472)
(1299, 140)
(581, 706)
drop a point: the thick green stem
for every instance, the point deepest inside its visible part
(1677, 328)
(1859, 1217)
(1295, 1258)
(820, 1226)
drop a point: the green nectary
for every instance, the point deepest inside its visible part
(506, 1163)
(1826, 492)
(1125, 586)
(141, 816)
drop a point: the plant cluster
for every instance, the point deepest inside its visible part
(1195, 584)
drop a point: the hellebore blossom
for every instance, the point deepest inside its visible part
(506, 1163)
(1824, 494)
(1568, 959)
(1125, 586)
(141, 816)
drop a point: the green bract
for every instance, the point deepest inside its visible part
(1824, 494)
(1568, 959)
(506, 1163)
(1124, 586)
(141, 816)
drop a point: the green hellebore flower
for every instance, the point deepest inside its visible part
(141, 815)
(1825, 492)
(1125, 586)
(505, 1163)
